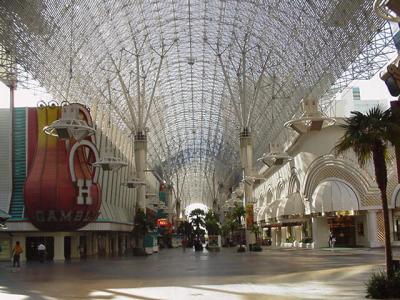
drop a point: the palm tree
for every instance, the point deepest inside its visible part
(238, 213)
(368, 134)
(212, 223)
(257, 231)
(197, 221)
(186, 229)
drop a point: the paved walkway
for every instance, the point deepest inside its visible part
(173, 274)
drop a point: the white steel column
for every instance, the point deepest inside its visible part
(140, 148)
(246, 157)
(170, 201)
(178, 209)
(59, 246)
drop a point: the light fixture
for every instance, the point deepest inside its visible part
(3, 219)
(133, 183)
(275, 157)
(70, 125)
(311, 118)
(252, 179)
(110, 163)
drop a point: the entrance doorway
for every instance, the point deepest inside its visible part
(32, 243)
(82, 246)
(67, 247)
(344, 230)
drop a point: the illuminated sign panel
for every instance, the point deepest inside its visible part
(61, 190)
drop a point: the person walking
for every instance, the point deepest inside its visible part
(16, 252)
(184, 244)
(42, 252)
(332, 240)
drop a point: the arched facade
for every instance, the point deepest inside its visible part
(353, 213)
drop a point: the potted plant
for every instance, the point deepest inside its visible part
(139, 232)
(197, 221)
(257, 231)
(213, 228)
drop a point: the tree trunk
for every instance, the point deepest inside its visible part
(381, 179)
(388, 246)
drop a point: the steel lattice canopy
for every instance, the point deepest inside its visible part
(73, 48)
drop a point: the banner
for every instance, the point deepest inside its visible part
(249, 216)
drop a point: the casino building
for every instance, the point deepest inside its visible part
(308, 191)
(55, 193)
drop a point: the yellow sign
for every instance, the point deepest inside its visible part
(249, 216)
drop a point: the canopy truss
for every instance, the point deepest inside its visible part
(83, 50)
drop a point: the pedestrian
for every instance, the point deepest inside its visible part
(16, 251)
(184, 244)
(42, 252)
(332, 240)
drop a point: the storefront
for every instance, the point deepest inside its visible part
(343, 228)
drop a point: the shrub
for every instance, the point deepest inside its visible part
(241, 249)
(256, 248)
(290, 239)
(380, 287)
(307, 240)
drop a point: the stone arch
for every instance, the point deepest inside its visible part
(395, 201)
(294, 183)
(328, 166)
(261, 199)
(269, 196)
(279, 189)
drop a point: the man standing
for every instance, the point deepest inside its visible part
(42, 252)
(17, 250)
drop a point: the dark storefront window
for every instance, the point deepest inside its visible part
(396, 224)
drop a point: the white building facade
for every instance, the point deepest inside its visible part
(316, 193)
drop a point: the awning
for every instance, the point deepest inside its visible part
(333, 195)
(4, 216)
(292, 205)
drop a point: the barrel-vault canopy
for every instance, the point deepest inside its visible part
(83, 50)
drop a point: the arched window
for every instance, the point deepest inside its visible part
(270, 196)
(294, 184)
(279, 189)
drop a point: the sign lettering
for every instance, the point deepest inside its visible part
(84, 191)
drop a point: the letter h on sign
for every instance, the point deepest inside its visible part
(84, 191)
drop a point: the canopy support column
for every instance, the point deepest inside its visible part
(246, 158)
(140, 148)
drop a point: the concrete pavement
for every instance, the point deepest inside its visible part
(174, 274)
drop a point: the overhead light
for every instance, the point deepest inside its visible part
(134, 183)
(3, 219)
(109, 162)
(275, 157)
(252, 179)
(70, 125)
(311, 118)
